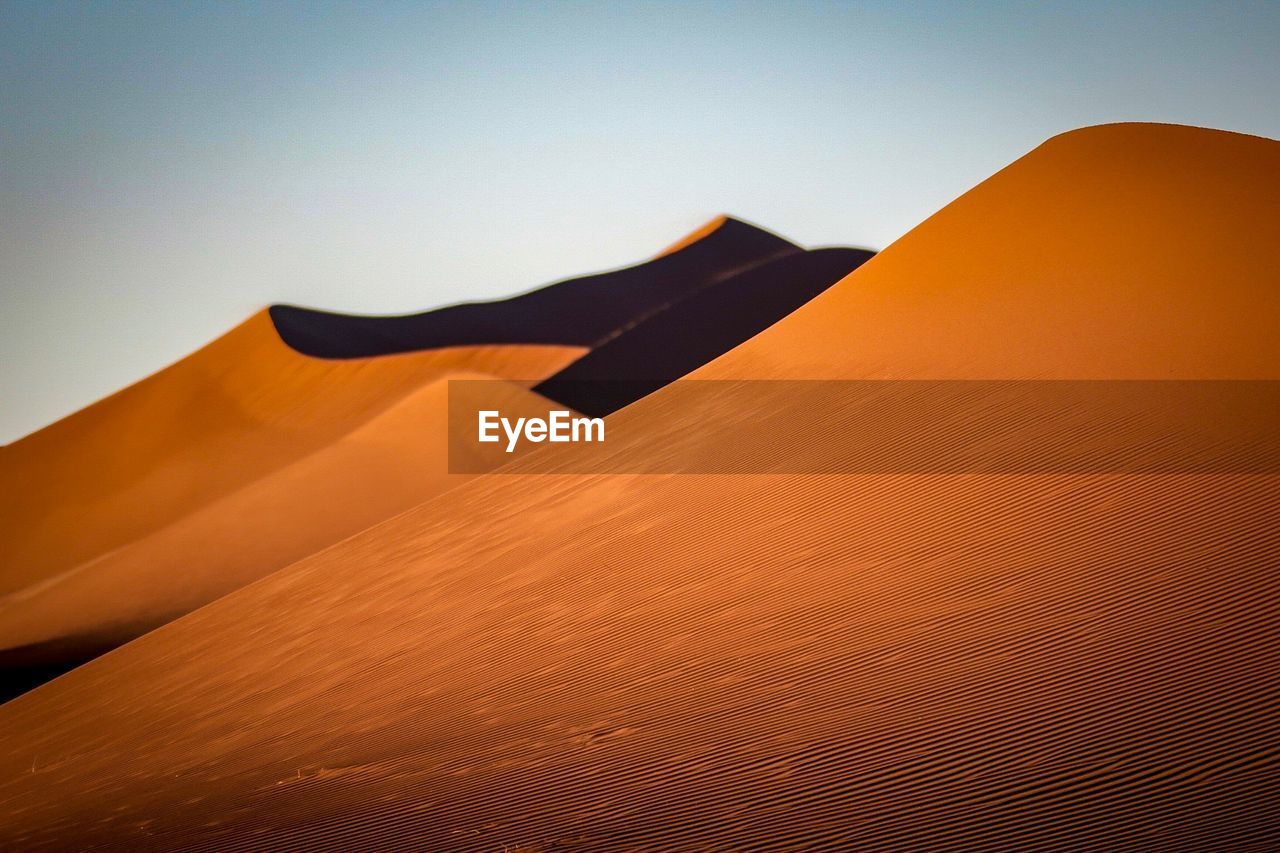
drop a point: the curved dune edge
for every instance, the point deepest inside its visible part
(624, 661)
(233, 411)
(1081, 260)
(394, 461)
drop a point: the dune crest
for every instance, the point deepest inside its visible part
(1126, 251)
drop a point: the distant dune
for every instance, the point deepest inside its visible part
(917, 662)
(577, 312)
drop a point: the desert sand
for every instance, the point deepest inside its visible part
(624, 661)
(393, 461)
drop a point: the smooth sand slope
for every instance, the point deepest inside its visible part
(619, 662)
(394, 461)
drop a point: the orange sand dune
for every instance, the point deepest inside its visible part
(395, 460)
(917, 662)
(233, 411)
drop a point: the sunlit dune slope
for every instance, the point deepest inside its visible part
(917, 662)
(581, 311)
(394, 461)
(1130, 251)
(250, 403)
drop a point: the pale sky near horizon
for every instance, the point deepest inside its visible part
(166, 169)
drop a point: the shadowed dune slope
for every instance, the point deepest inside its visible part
(578, 312)
(394, 461)
(248, 403)
(917, 662)
(696, 330)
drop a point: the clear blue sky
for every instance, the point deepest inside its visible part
(168, 168)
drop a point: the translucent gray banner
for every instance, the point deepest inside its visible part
(877, 427)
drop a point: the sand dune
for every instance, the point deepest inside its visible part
(618, 662)
(392, 462)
